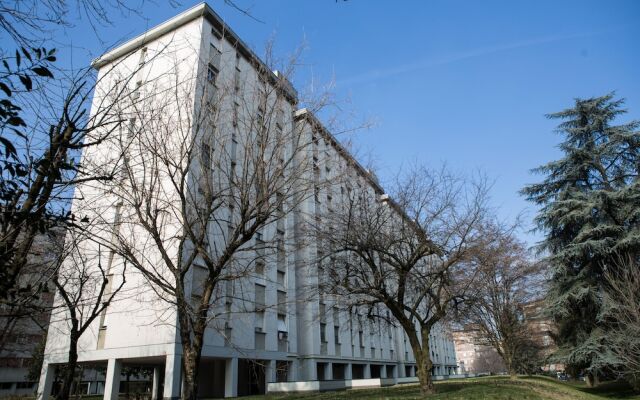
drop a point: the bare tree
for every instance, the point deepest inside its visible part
(410, 252)
(26, 311)
(507, 281)
(621, 308)
(43, 123)
(87, 281)
(212, 164)
(38, 181)
(31, 21)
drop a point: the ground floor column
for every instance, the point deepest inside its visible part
(328, 372)
(309, 371)
(270, 371)
(155, 387)
(383, 371)
(402, 371)
(348, 373)
(172, 377)
(367, 371)
(47, 373)
(294, 371)
(231, 377)
(112, 379)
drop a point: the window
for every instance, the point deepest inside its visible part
(259, 267)
(132, 127)
(336, 334)
(214, 56)
(212, 74)
(260, 296)
(227, 334)
(199, 277)
(143, 55)
(281, 278)
(206, 155)
(260, 117)
(216, 33)
(323, 333)
(236, 80)
(280, 118)
(280, 203)
(282, 302)
(136, 92)
(236, 106)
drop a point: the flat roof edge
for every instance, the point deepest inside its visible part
(200, 10)
(152, 34)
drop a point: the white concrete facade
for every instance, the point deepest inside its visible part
(298, 338)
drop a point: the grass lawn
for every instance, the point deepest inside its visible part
(487, 388)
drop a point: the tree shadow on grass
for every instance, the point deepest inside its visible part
(612, 390)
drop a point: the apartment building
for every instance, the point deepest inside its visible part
(542, 328)
(474, 357)
(274, 323)
(25, 315)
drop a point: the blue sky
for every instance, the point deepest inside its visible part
(461, 82)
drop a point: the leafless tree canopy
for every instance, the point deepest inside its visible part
(210, 167)
(87, 279)
(621, 308)
(508, 280)
(410, 252)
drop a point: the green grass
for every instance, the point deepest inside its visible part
(487, 388)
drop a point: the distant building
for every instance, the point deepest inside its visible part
(473, 357)
(542, 328)
(24, 317)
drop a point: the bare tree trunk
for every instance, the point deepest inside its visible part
(192, 340)
(191, 367)
(592, 379)
(69, 374)
(508, 361)
(424, 365)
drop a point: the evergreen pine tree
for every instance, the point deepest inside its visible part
(590, 214)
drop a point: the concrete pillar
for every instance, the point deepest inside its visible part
(270, 371)
(367, 371)
(112, 379)
(328, 371)
(294, 370)
(308, 372)
(155, 386)
(172, 376)
(231, 377)
(383, 371)
(348, 372)
(46, 381)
